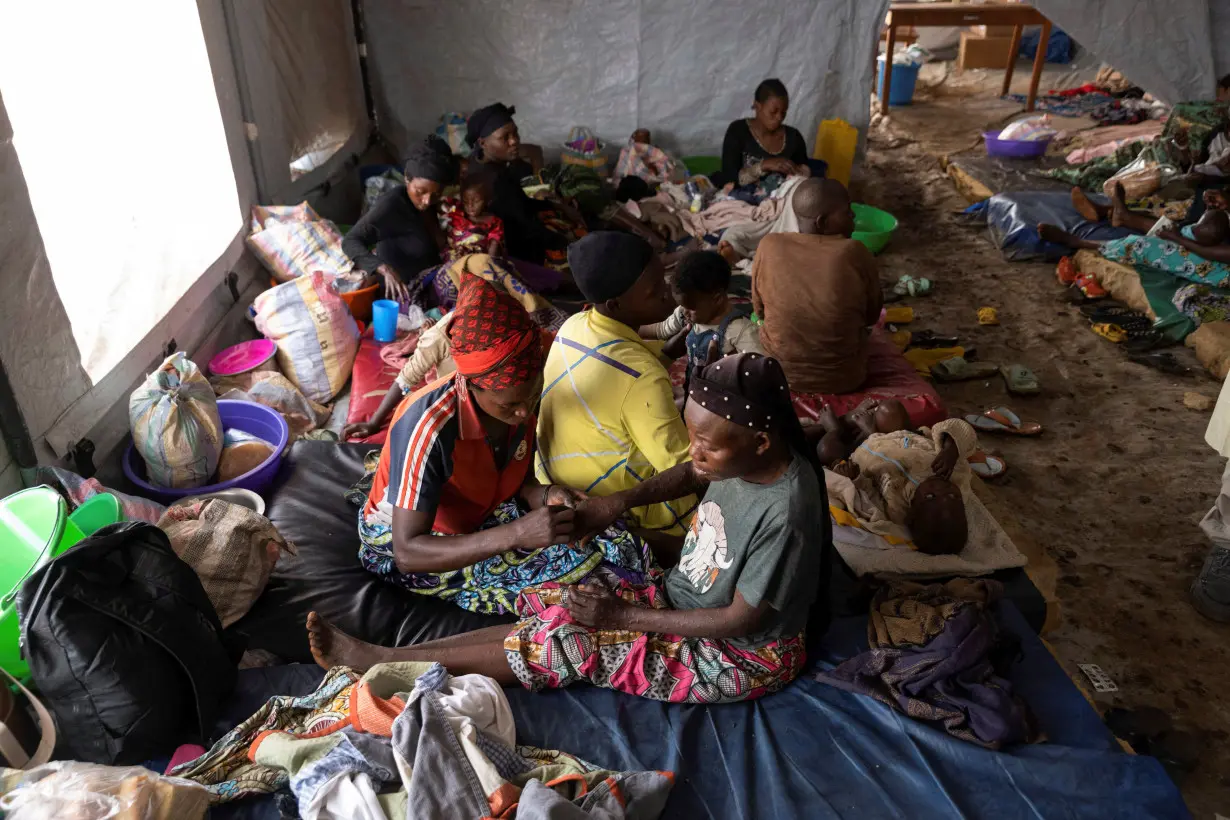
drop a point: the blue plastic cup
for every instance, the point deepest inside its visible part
(384, 320)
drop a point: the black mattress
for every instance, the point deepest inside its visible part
(308, 508)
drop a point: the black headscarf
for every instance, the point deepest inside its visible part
(432, 159)
(605, 264)
(486, 121)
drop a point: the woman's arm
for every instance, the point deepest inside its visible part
(595, 607)
(1213, 253)
(597, 513)
(798, 152)
(415, 549)
(365, 429)
(363, 236)
(732, 153)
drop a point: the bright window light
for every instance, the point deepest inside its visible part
(116, 124)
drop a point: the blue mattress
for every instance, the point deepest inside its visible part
(818, 752)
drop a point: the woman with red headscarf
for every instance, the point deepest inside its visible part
(457, 463)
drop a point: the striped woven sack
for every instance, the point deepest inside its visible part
(175, 424)
(317, 338)
(294, 241)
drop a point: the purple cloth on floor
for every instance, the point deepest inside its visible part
(950, 682)
(537, 278)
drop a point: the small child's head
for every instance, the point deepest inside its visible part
(937, 517)
(699, 286)
(891, 416)
(642, 136)
(632, 188)
(1213, 228)
(476, 190)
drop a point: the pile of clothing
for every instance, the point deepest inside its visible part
(938, 656)
(411, 740)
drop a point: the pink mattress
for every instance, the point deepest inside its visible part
(889, 376)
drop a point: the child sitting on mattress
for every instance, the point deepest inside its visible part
(727, 623)
(469, 226)
(911, 481)
(705, 316)
(641, 158)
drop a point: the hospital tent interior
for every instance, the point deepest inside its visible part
(134, 144)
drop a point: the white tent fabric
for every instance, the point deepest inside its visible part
(1165, 48)
(683, 70)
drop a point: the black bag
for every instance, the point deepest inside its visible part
(124, 647)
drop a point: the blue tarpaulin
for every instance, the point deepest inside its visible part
(814, 751)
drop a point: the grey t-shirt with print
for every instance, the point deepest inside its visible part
(764, 540)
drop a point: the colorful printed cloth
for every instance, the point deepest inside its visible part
(1166, 256)
(465, 236)
(548, 649)
(649, 162)
(226, 770)
(446, 280)
(1203, 303)
(492, 586)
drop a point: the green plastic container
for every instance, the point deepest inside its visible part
(34, 528)
(97, 512)
(701, 165)
(873, 227)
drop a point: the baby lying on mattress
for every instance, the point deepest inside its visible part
(902, 503)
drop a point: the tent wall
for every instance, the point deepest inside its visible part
(301, 87)
(684, 70)
(1166, 48)
(57, 399)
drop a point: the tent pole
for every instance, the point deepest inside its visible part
(15, 432)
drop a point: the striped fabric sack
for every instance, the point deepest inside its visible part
(294, 241)
(317, 338)
(175, 424)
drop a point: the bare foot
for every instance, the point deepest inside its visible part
(1118, 206)
(1085, 206)
(1053, 233)
(332, 647)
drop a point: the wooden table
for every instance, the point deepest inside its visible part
(1017, 15)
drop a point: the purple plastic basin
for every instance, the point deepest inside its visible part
(1020, 149)
(248, 416)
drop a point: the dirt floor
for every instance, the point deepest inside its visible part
(1109, 498)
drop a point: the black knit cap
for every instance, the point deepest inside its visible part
(605, 264)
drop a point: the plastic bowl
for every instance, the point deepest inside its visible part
(873, 227)
(1015, 149)
(243, 357)
(248, 416)
(360, 301)
(96, 512)
(235, 495)
(702, 165)
(34, 528)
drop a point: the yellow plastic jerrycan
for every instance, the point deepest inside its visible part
(836, 142)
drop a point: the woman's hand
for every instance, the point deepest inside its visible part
(595, 514)
(393, 287)
(545, 527)
(595, 607)
(777, 165)
(561, 496)
(362, 429)
(1170, 234)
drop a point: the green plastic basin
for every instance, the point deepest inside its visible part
(873, 227)
(34, 528)
(97, 512)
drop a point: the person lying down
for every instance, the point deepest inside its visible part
(726, 623)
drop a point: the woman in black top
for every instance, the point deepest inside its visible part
(400, 236)
(493, 135)
(763, 144)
